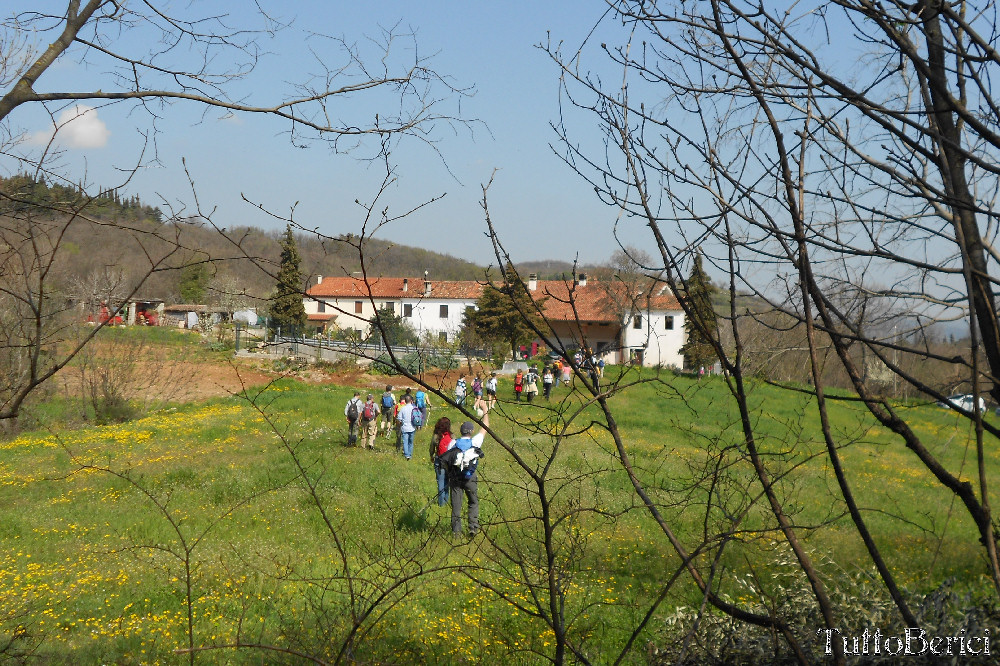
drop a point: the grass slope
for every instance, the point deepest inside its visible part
(111, 534)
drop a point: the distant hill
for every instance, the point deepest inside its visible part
(91, 250)
(116, 235)
(552, 269)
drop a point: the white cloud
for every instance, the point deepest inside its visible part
(76, 127)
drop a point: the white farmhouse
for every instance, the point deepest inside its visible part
(434, 308)
(645, 327)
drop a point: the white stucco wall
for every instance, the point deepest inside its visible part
(425, 317)
(660, 345)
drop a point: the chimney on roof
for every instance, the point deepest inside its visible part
(319, 279)
(406, 284)
(427, 285)
(532, 281)
(580, 279)
(583, 279)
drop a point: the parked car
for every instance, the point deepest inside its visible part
(964, 401)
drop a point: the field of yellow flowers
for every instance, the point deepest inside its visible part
(242, 529)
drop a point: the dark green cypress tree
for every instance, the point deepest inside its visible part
(287, 309)
(700, 324)
(194, 283)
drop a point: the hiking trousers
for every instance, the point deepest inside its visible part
(470, 488)
(369, 431)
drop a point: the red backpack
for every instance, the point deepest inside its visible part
(445, 443)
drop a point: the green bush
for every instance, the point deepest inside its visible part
(287, 364)
(114, 409)
(412, 363)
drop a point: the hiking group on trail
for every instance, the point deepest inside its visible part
(455, 460)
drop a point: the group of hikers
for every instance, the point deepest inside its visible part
(389, 417)
(455, 460)
(559, 371)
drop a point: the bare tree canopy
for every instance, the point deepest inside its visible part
(155, 53)
(152, 55)
(836, 161)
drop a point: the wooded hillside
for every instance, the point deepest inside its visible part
(109, 241)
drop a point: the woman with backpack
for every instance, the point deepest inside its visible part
(477, 393)
(369, 423)
(531, 384)
(491, 391)
(441, 441)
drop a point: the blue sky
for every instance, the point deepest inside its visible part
(541, 209)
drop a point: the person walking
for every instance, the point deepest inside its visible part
(441, 442)
(369, 423)
(352, 411)
(491, 391)
(406, 427)
(518, 385)
(547, 378)
(388, 402)
(591, 366)
(460, 392)
(462, 463)
(477, 393)
(531, 384)
(420, 399)
(395, 425)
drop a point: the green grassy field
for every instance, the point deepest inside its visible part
(247, 520)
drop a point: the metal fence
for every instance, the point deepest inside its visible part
(328, 348)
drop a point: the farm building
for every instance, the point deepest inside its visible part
(645, 328)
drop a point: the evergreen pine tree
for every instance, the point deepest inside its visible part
(287, 310)
(700, 325)
(194, 283)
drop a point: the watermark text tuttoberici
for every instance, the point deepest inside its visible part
(911, 641)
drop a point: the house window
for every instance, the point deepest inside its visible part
(321, 307)
(670, 322)
(442, 336)
(357, 306)
(407, 309)
(444, 312)
(637, 321)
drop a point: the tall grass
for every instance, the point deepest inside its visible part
(194, 526)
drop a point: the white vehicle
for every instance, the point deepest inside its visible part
(963, 401)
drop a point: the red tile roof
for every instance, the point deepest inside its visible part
(383, 287)
(594, 301)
